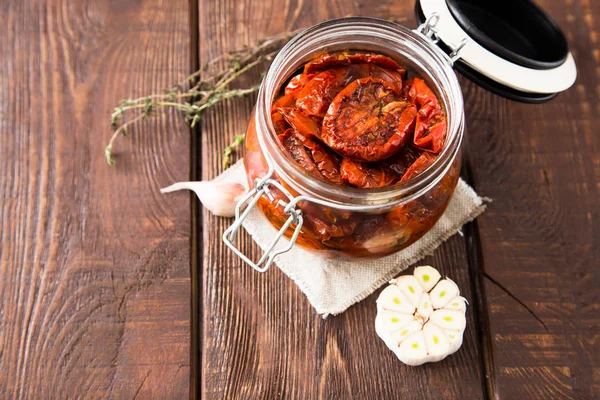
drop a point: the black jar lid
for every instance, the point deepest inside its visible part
(511, 47)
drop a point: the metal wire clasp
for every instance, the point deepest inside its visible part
(429, 27)
(261, 188)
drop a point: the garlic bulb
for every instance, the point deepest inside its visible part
(221, 195)
(420, 317)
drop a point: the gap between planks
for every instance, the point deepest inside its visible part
(196, 213)
(480, 307)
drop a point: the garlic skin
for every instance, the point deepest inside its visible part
(421, 317)
(221, 195)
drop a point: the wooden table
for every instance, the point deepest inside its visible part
(110, 290)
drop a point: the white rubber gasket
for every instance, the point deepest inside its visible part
(500, 70)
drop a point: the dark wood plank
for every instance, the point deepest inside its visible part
(539, 238)
(94, 262)
(261, 339)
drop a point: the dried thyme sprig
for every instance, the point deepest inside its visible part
(239, 139)
(199, 91)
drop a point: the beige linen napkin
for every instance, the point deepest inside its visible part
(333, 285)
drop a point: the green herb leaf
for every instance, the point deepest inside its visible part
(239, 139)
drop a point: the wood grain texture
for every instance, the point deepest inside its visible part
(261, 339)
(540, 236)
(94, 263)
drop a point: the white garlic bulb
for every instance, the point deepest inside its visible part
(420, 317)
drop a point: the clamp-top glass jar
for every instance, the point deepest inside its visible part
(339, 220)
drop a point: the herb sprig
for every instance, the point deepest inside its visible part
(199, 91)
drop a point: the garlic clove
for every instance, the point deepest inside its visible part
(381, 241)
(443, 292)
(220, 198)
(413, 349)
(458, 303)
(392, 299)
(220, 195)
(411, 288)
(401, 334)
(392, 321)
(425, 308)
(449, 319)
(455, 338)
(427, 277)
(438, 344)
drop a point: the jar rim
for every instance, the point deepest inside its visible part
(432, 62)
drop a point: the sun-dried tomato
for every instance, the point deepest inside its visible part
(293, 144)
(312, 155)
(357, 71)
(417, 216)
(326, 223)
(367, 228)
(328, 163)
(430, 133)
(317, 94)
(377, 59)
(300, 122)
(286, 100)
(277, 119)
(420, 165)
(368, 120)
(366, 175)
(296, 84)
(430, 128)
(402, 160)
(326, 61)
(423, 97)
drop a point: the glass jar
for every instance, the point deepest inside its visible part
(349, 221)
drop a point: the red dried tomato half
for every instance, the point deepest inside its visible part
(326, 61)
(316, 96)
(328, 163)
(357, 71)
(300, 122)
(296, 84)
(430, 128)
(402, 160)
(368, 120)
(277, 119)
(326, 223)
(377, 59)
(312, 155)
(365, 175)
(293, 144)
(420, 165)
